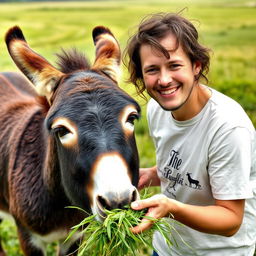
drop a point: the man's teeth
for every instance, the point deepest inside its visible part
(172, 90)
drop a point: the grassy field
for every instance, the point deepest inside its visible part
(227, 27)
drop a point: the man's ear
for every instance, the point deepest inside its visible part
(197, 67)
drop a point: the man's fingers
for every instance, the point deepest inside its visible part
(141, 184)
(144, 225)
(136, 205)
(141, 204)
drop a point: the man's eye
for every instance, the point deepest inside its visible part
(150, 70)
(175, 66)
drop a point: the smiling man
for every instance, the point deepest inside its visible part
(205, 145)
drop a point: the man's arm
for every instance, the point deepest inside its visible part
(224, 218)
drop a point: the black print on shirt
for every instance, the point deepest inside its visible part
(172, 172)
(174, 162)
(192, 181)
(175, 179)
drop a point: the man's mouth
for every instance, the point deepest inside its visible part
(169, 91)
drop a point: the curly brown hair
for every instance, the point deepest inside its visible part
(156, 27)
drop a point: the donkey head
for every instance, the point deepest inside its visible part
(90, 122)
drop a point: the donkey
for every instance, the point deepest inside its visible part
(70, 141)
(192, 181)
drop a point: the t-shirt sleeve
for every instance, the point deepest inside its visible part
(230, 160)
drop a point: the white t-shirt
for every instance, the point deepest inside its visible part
(202, 159)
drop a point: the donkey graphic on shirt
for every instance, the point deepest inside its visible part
(176, 176)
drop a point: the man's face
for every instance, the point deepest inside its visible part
(169, 81)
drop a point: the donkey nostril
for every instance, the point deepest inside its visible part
(135, 195)
(102, 202)
(112, 200)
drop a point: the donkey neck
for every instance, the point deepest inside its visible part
(31, 160)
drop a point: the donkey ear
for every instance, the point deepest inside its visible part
(108, 54)
(38, 70)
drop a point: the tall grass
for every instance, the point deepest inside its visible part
(226, 26)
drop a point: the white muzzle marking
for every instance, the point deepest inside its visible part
(110, 176)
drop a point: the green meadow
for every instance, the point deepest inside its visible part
(228, 27)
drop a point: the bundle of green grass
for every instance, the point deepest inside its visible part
(113, 236)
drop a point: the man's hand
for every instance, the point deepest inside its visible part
(148, 177)
(158, 207)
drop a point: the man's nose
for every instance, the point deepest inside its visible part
(165, 78)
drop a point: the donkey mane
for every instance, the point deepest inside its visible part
(71, 60)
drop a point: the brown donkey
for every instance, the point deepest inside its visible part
(69, 141)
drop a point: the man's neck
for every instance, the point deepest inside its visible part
(196, 102)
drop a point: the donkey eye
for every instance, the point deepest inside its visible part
(132, 117)
(130, 121)
(127, 117)
(66, 131)
(61, 131)
(64, 134)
